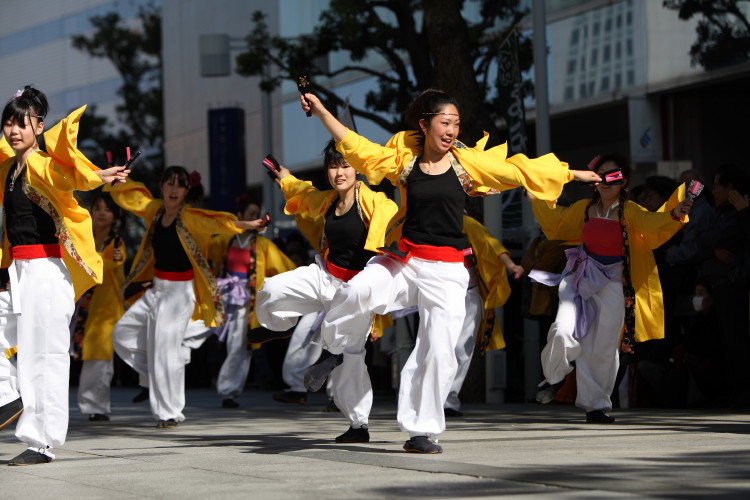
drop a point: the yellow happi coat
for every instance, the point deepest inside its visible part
(646, 232)
(105, 307)
(51, 178)
(479, 171)
(195, 227)
(269, 261)
(375, 209)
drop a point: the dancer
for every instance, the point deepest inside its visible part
(172, 256)
(609, 281)
(104, 307)
(435, 172)
(245, 261)
(355, 223)
(51, 261)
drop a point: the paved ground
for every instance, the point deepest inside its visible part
(271, 450)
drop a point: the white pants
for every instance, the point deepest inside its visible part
(42, 334)
(466, 344)
(236, 366)
(438, 289)
(300, 356)
(93, 386)
(595, 355)
(309, 289)
(9, 391)
(149, 337)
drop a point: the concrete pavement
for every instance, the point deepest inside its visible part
(271, 450)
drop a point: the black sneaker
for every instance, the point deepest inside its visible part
(421, 444)
(30, 457)
(167, 424)
(547, 391)
(141, 396)
(294, 397)
(450, 412)
(9, 412)
(317, 374)
(361, 435)
(599, 417)
(229, 403)
(98, 417)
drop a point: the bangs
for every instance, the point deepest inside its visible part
(177, 174)
(16, 113)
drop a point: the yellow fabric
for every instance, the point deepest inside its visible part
(544, 177)
(646, 232)
(54, 175)
(307, 201)
(105, 308)
(311, 229)
(269, 261)
(494, 285)
(200, 224)
(10, 352)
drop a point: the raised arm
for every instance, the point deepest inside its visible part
(310, 102)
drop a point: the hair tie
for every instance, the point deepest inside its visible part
(18, 94)
(195, 178)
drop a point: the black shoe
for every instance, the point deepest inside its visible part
(167, 424)
(229, 403)
(317, 374)
(260, 335)
(98, 417)
(30, 457)
(547, 392)
(298, 398)
(9, 412)
(421, 444)
(361, 435)
(599, 417)
(331, 407)
(450, 412)
(141, 396)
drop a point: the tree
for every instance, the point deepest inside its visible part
(424, 43)
(136, 54)
(723, 31)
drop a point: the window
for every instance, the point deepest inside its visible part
(571, 66)
(569, 93)
(605, 57)
(605, 84)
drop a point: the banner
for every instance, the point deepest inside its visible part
(226, 150)
(510, 95)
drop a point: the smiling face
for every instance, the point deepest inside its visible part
(173, 193)
(251, 212)
(608, 192)
(341, 176)
(441, 130)
(22, 136)
(101, 215)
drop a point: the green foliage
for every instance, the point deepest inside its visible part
(135, 51)
(723, 31)
(411, 38)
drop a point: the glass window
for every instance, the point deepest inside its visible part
(605, 84)
(571, 66)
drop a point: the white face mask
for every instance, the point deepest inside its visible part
(698, 303)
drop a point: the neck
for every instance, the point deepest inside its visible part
(430, 156)
(345, 197)
(172, 210)
(23, 154)
(608, 201)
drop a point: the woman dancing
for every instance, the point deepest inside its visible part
(172, 256)
(355, 220)
(611, 280)
(435, 172)
(49, 249)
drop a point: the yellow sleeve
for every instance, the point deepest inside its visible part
(655, 228)
(276, 261)
(5, 150)
(132, 196)
(213, 222)
(560, 223)
(302, 198)
(70, 169)
(376, 162)
(312, 229)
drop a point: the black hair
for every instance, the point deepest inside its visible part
(31, 102)
(331, 155)
(113, 207)
(184, 179)
(243, 201)
(620, 162)
(727, 174)
(426, 105)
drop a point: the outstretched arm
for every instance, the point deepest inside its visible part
(310, 102)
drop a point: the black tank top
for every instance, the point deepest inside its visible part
(346, 235)
(168, 251)
(434, 209)
(26, 223)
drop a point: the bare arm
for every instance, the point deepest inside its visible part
(310, 102)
